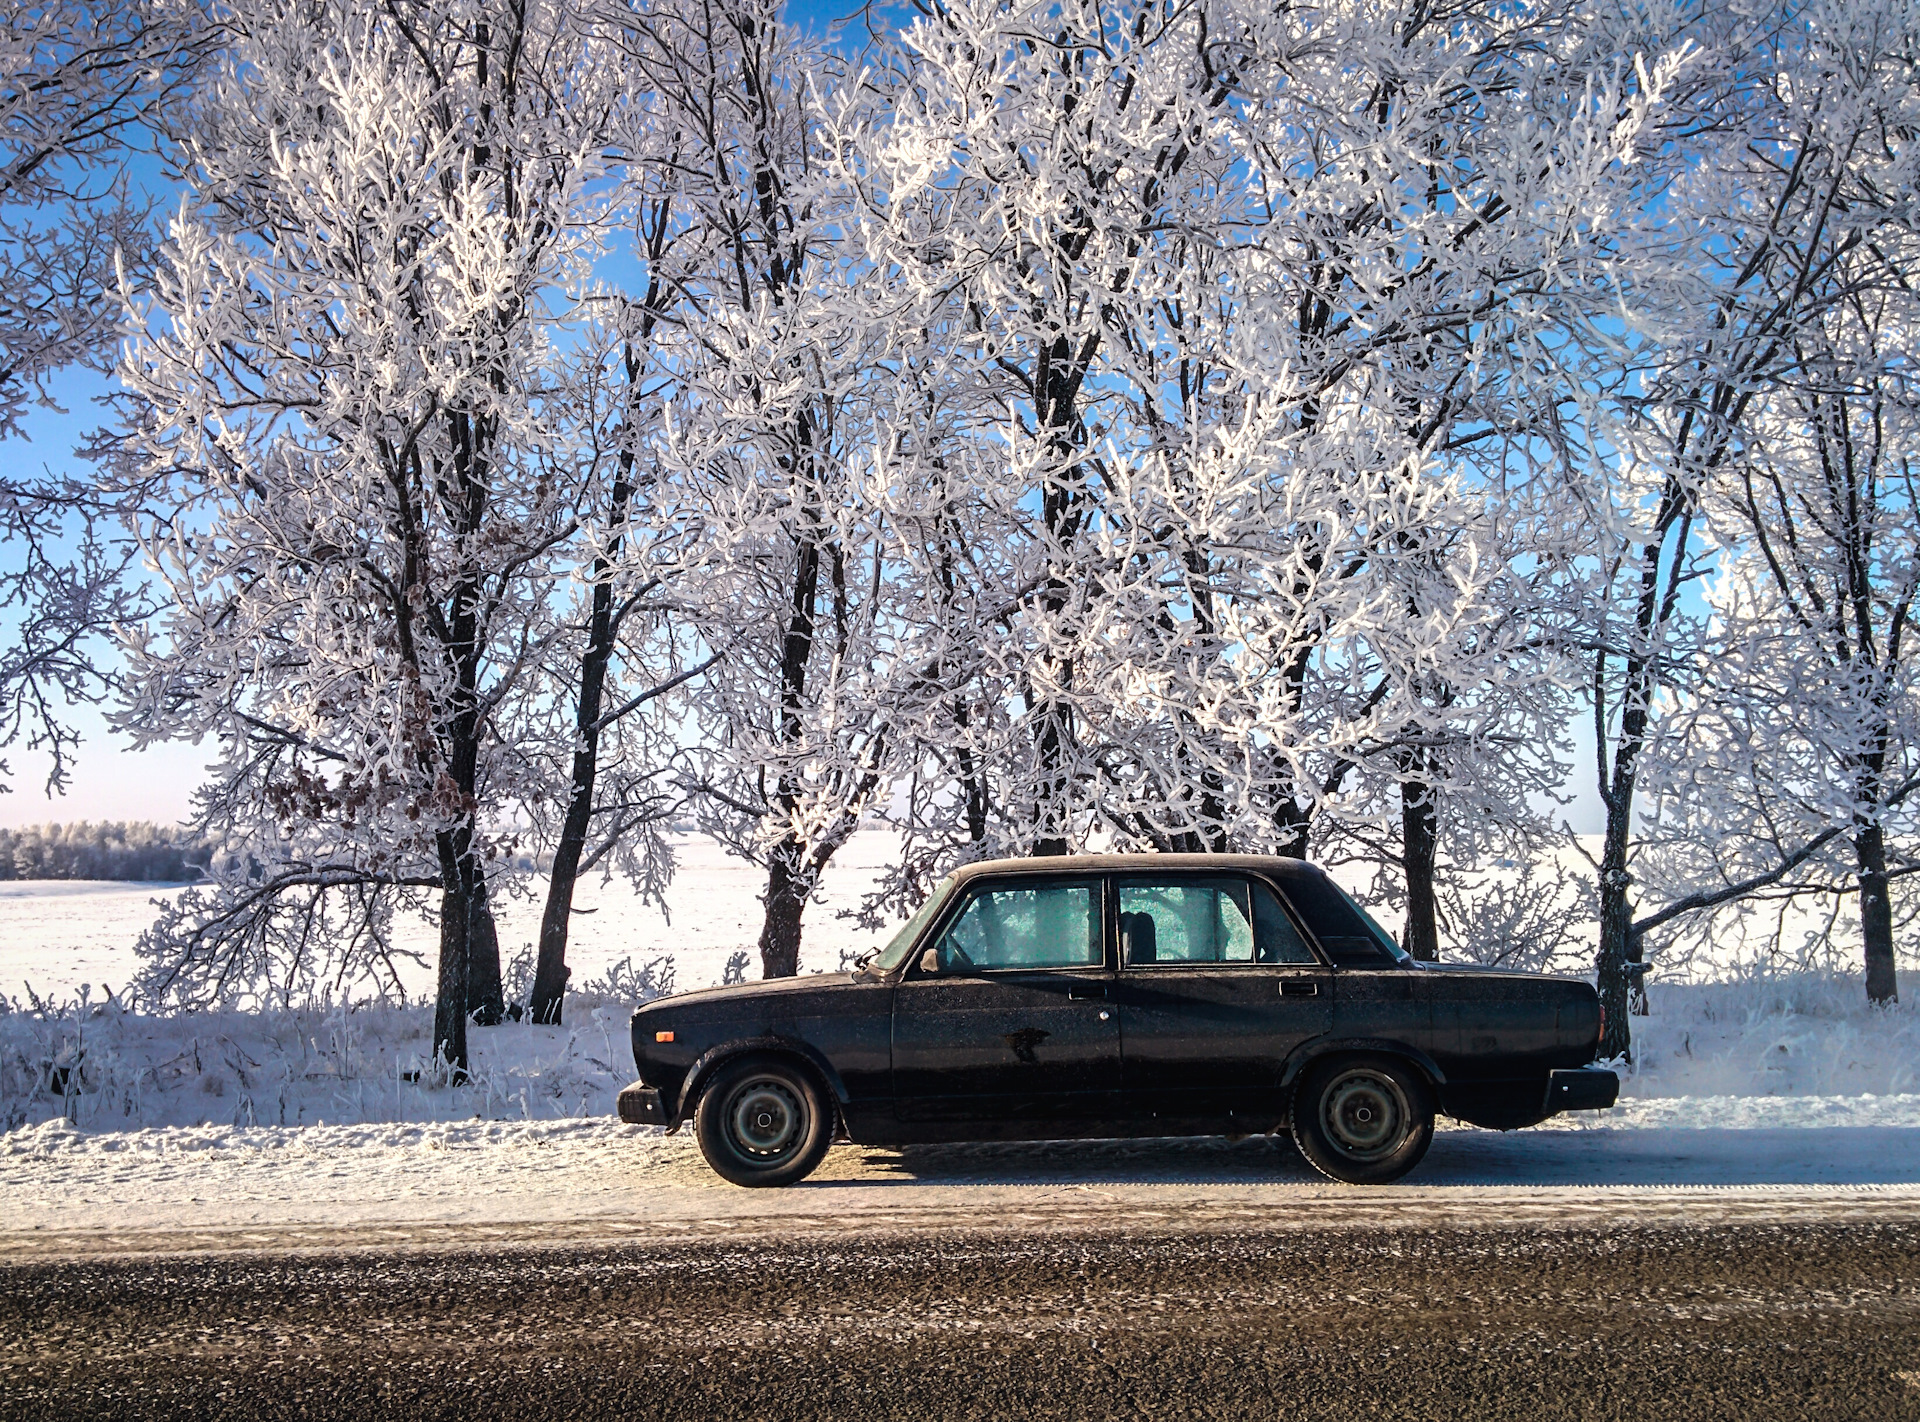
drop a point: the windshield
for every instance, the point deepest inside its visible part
(895, 953)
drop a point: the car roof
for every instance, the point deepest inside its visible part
(1272, 865)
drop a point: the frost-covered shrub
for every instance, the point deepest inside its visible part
(627, 985)
(1525, 914)
(105, 1067)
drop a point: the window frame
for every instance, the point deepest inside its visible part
(962, 901)
(1250, 878)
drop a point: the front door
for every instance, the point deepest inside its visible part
(1014, 1025)
(1217, 989)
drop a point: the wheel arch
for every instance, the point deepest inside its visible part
(1299, 1063)
(769, 1044)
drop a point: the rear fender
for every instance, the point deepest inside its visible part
(1312, 1052)
(713, 1059)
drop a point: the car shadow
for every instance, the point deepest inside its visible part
(1671, 1157)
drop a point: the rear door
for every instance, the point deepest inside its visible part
(1217, 988)
(1016, 1027)
(1380, 992)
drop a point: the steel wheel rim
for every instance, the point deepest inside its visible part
(1364, 1114)
(764, 1120)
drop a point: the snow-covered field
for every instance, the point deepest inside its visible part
(54, 936)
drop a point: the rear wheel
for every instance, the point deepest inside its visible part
(1363, 1120)
(763, 1121)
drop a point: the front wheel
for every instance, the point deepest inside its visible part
(762, 1122)
(1363, 1120)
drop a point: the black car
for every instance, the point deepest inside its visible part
(1144, 995)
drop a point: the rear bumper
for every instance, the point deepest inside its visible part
(640, 1105)
(1582, 1089)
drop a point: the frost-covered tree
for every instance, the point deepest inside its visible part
(1763, 207)
(80, 83)
(1799, 750)
(781, 438)
(363, 452)
(1242, 293)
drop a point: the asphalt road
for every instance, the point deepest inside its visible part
(1675, 1322)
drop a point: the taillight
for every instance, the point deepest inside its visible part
(1602, 1036)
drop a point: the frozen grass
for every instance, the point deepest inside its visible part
(1800, 1034)
(103, 1068)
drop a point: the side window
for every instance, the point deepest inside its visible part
(1351, 939)
(1186, 921)
(1050, 925)
(1275, 938)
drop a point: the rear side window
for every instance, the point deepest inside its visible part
(1185, 921)
(1351, 939)
(1047, 925)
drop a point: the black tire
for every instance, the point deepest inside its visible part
(762, 1122)
(1363, 1120)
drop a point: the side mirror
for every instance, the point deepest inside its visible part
(930, 961)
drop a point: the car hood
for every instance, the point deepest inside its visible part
(738, 994)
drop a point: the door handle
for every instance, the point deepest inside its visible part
(1081, 994)
(1299, 987)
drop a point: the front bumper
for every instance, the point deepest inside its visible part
(1582, 1089)
(640, 1105)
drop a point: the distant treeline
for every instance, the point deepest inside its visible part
(141, 852)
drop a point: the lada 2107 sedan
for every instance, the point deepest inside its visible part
(1120, 995)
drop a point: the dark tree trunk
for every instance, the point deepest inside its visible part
(1054, 735)
(550, 970)
(1654, 606)
(486, 999)
(456, 933)
(1419, 844)
(462, 879)
(1616, 934)
(786, 901)
(1876, 914)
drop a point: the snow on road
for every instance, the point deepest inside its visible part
(67, 1189)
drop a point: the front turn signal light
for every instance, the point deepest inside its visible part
(663, 1036)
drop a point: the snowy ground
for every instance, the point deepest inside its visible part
(1783, 1097)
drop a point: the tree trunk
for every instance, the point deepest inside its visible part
(456, 932)
(1616, 934)
(1876, 914)
(786, 900)
(550, 971)
(486, 999)
(1054, 736)
(1419, 845)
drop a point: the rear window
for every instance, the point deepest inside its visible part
(1351, 938)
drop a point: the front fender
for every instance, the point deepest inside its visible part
(714, 1057)
(1310, 1052)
